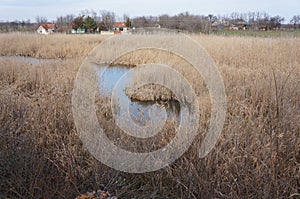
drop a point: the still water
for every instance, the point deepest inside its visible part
(140, 112)
(31, 60)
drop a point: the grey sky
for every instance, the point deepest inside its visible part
(28, 9)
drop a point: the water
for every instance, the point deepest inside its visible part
(141, 113)
(31, 60)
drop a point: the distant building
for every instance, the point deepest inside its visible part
(242, 25)
(226, 25)
(121, 28)
(46, 28)
(78, 31)
(102, 32)
(233, 27)
(157, 25)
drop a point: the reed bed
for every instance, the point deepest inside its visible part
(49, 47)
(257, 155)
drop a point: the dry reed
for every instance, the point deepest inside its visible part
(257, 155)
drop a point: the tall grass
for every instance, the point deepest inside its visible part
(258, 33)
(257, 155)
(51, 46)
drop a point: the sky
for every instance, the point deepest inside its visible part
(11, 10)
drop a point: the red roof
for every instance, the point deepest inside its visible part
(48, 26)
(119, 25)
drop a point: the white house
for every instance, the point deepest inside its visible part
(121, 28)
(46, 29)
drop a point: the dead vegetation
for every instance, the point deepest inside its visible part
(257, 155)
(152, 92)
(49, 47)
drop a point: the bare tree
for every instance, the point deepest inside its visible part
(17, 26)
(108, 19)
(78, 23)
(127, 20)
(295, 21)
(64, 23)
(163, 20)
(186, 22)
(40, 20)
(149, 21)
(275, 22)
(91, 13)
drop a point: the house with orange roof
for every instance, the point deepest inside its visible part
(120, 28)
(46, 28)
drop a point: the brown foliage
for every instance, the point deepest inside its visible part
(257, 155)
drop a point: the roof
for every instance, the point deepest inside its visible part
(48, 26)
(119, 25)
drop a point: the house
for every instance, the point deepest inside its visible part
(242, 25)
(121, 28)
(239, 26)
(46, 28)
(157, 26)
(233, 27)
(78, 31)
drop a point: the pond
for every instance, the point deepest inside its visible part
(31, 60)
(140, 112)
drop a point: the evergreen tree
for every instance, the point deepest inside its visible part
(89, 24)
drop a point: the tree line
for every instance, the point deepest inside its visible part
(203, 23)
(93, 21)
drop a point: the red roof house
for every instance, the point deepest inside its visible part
(46, 28)
(120, 28)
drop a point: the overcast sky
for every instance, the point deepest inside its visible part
(11, 10)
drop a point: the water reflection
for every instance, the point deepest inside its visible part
(140, 112)
(31, 60)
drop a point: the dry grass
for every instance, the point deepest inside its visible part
(50, 47)
(156, 92)
(257, 155)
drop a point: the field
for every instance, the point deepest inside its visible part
(257, 155)
(264, 34)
